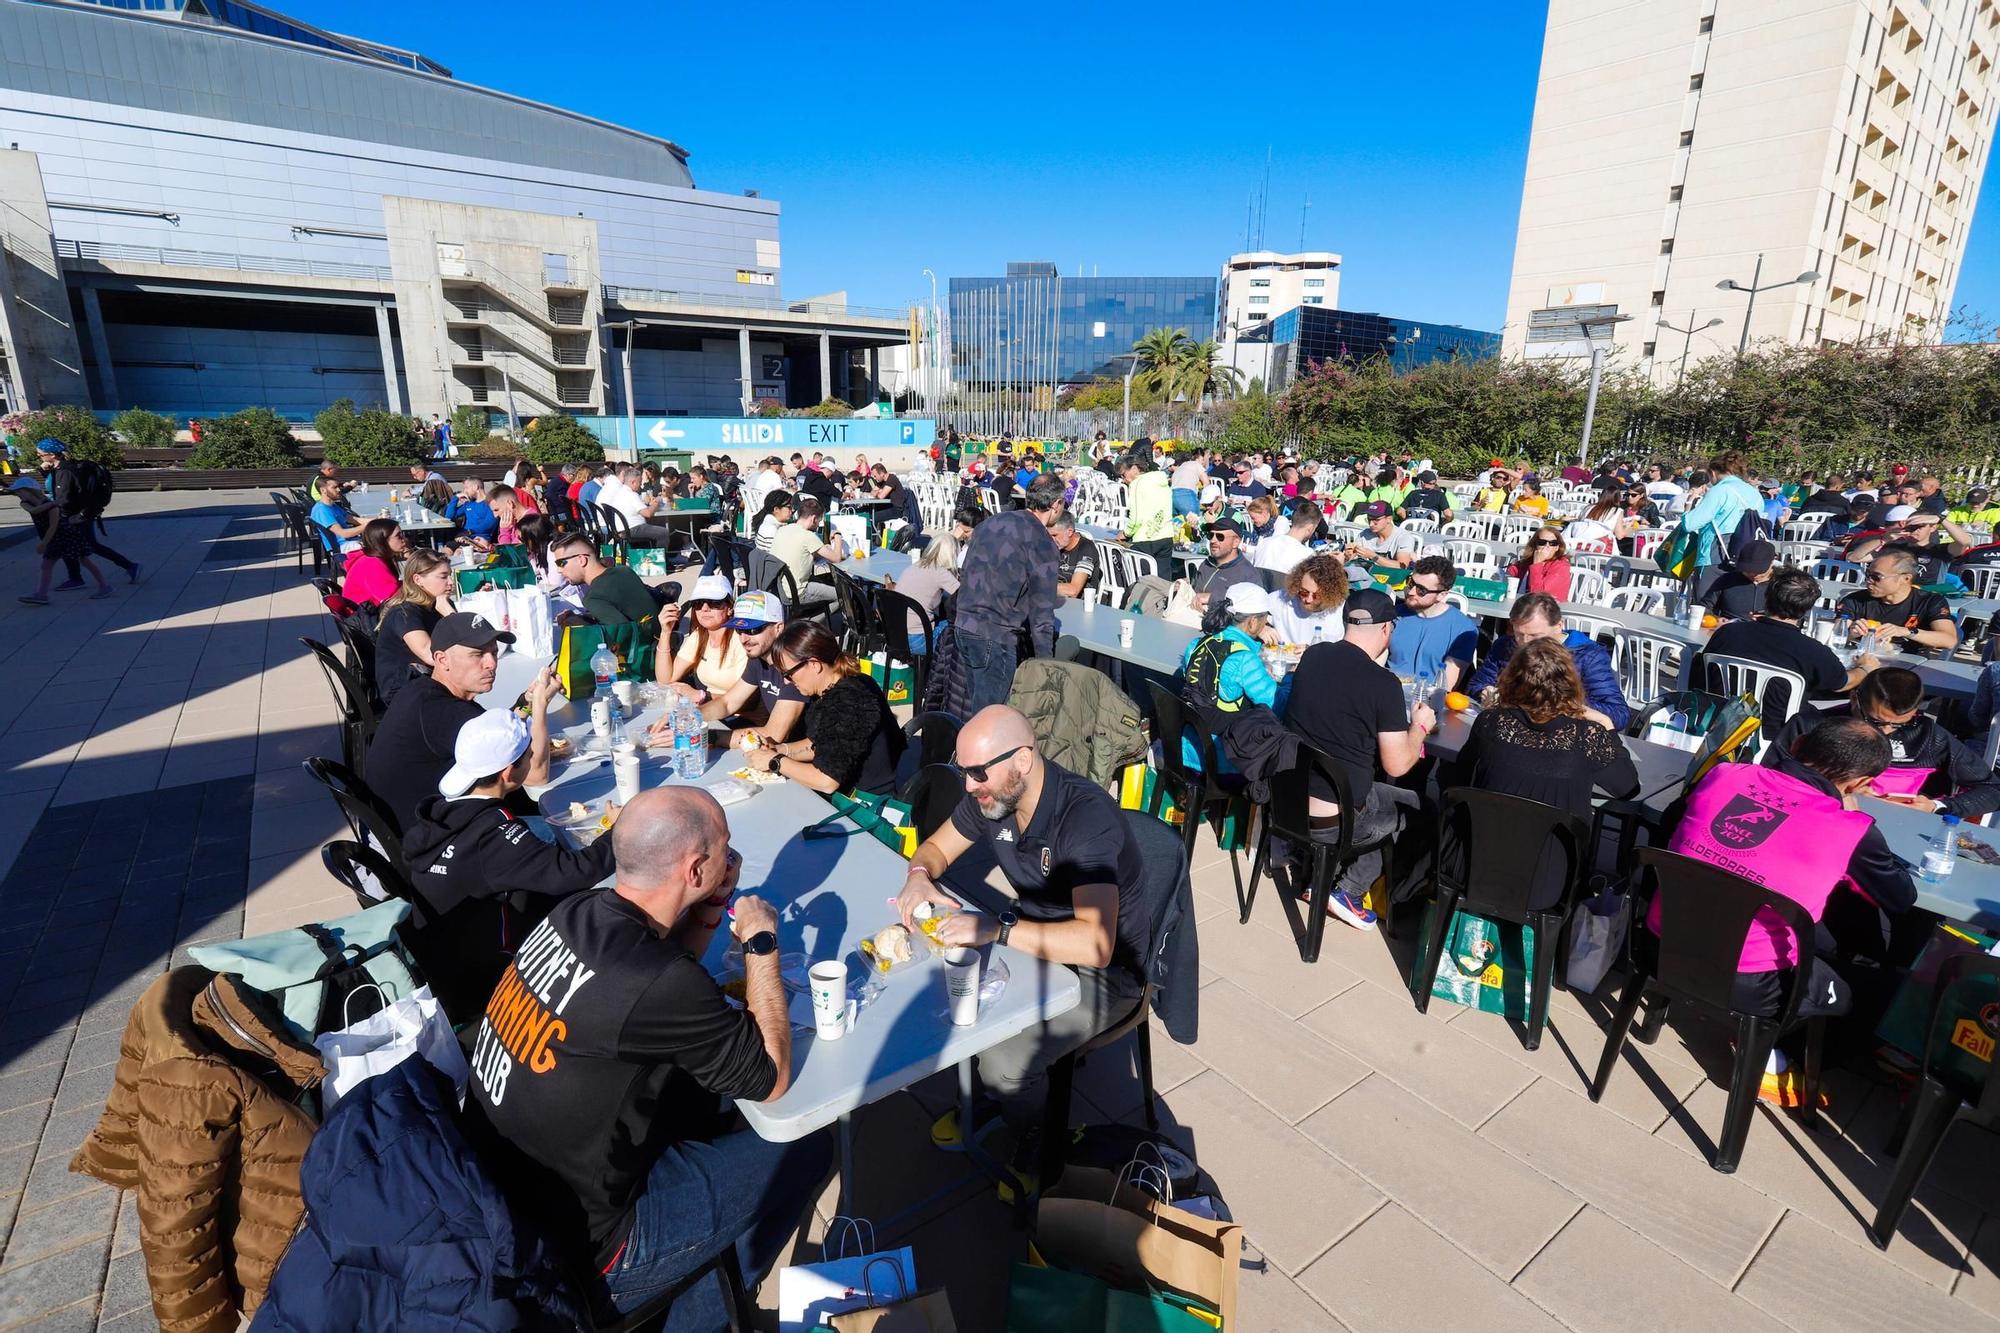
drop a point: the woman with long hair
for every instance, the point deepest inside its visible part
(374, 572)
(403, 636)
(1543, 565)
(851, 741)
(1541, 742)
(537, 533)
(711, 651)
(780, 507)
(528, 486)
(1597, 532)
(928, 582)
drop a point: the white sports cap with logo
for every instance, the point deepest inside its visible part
(485, 745)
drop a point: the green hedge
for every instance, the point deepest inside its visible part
(369, 439)
(254, 437)
(83, 434)
(144, 430)
(561, 439)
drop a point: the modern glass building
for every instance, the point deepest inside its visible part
(1035, 326)
(1307, 335)
(206, 205)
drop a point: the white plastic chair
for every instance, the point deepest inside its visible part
(1587, 585)
(1467, 528)
(1646, 541)
(1732, 676)
(1982, 580)
(1645, 664)
(1840, 571)
(1805, 527)
(1638, 599)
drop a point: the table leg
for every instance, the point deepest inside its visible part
(845, 1132)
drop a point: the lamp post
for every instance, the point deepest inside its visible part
(631, 327)
(1690, 331)
(1596, 370)
(507, 383)
(1807, 278)
(931, 348)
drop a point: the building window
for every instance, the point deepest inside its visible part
(1260, 282)
(1650, 347)
(1312, 300)
(1707, 24)
(1674, 194)
(1258, 314)
(1313, 282)
(1260, 300)
(1659, 299)
(1687, 138)
(1694, 83)
(1667, 246)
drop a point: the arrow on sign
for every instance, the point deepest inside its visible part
(659, 434)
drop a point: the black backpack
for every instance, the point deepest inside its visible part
(1752, 527)
(89, 488)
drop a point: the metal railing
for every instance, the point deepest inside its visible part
(107, 252)
(750, 304)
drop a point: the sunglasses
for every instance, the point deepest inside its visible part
(982, 772)
(1547, 541)
(788, 672)
(1413, 588)
(563, 560)
(1877, 575)
(1889, 728)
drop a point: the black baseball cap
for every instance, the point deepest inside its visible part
(466, 629)
(1757, 557)
(1370, 606)
(1223, 524)
(1427, 478)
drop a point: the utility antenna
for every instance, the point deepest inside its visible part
(1264, 204)
(1249, 214)
(1302, 223)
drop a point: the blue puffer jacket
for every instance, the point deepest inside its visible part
(405, 1229)
(1593, 663)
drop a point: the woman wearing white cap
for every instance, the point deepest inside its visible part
(711, 650)
(1226, 668)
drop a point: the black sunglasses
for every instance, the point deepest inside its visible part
(982, 772)
(788, 672)
(1547, 541)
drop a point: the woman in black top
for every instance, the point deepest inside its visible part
(403, 638)
(1536, 743)
(851, 740)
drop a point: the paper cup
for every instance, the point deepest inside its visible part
(625, 772)
(625, 691)
(1125, 634)
(961, 985)
(600, 716)
(833, 1012)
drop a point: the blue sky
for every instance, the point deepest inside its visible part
(900, 137)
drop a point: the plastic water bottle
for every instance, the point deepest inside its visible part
(604, 667)
(1941, 853)
(690, 757)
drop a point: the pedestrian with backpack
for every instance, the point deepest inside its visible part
(59, 539)
(82, 488)
(1724, 521)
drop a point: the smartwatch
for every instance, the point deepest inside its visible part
(1008, 918)
(776, 759)
(763, 942)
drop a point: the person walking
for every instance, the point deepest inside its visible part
(81, 488)
(57, 540)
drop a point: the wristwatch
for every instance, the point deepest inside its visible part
(1008, 918)
(776, 759)
(763, 942)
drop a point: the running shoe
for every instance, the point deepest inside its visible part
(33, 599)
(71, 586)
(1354, 911)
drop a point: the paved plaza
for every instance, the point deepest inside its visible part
(1391, 1170)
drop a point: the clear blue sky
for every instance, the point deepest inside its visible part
(900, 137)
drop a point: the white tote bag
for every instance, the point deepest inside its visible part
(533, 626)
(853, 529)
(413, 1025)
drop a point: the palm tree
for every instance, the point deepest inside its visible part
(1160, 355)
(1202, 372)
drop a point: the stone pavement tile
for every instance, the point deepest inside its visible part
(1644, 1089)
(24, 1087)
(1434, 1168)
(109, 775)
(1708, 1220)
(232, 720)
(1967, 1162)
(58, 1226)
(125, 1235)
(237, 698)
(1292, 1199)
(1452, 1071)
(1110, 1077)
(80, 1317)
(23, 1125)
(290, 738)
(1269, 968)
(278, 787)
(1811, 1278)
(50, 1181)
(1287, 1068)
(43, 774)
(293, 830)
(1394, 1273)
(64, 1132)
(1269, 1302)
(140, 1320)
(207, 760)
(1595, 1267)
(50, 1284)
(125, 1288)
(15, 1164)
(1834, 1181)
(1980, 1288)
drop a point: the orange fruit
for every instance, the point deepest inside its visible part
(1457, 702)
(1709, 622)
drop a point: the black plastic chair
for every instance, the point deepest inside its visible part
(1706, 914)
(893, 613)
(858, 623)
(1199, 794)
(1165, 867)
(364, 871)
(359, 715)
(1288, 817)
(613, 527)
(1935, 1104)
(358, 647)
(933, 736)
(932, 795)
(371, 821)
(1498, 845)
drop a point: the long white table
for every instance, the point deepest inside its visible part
(1972, 893)
(829, 894)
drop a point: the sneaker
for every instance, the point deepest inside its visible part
(71, 586)
(945, 1135)
(1783, 1089)
(33, 599)
(101, 593)
(1352, 910)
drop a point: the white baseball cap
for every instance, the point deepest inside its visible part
(710, 588)
(1901, 513)
(1210, 493)
(485, 745)
(1248, 599)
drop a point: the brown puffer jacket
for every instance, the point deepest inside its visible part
(203, 1123)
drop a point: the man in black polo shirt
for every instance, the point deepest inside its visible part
(1348, 704)
(1776, 639)
(607, 1052)
(1060, 840)
(1077, 559)
(1428, 496)
(1905, 614)
(414, 742)
(1739, 594)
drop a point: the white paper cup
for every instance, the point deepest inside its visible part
(625, 691)
(1125, 634)
(961, 985)
(625, 772)
(600, 716)
(833, 1012)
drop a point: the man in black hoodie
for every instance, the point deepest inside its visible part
(483, 879)
(1929, 768)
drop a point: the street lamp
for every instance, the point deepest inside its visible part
(1131, 360)
(1587, 323)
(631, 327)
(1690, 331)
(932, 345)
(1804, 279)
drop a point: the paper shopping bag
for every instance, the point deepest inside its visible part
(1054, 1300)
(850, 1277)
(1132, 1240)
(413, 1025)
(1140, 787)
(534, 628)
(926, 1312)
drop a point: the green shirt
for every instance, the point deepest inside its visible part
(620, 597)
(1347, 497)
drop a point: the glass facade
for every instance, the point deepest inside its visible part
(1306, 335)
(1037, 326)
(269, 23)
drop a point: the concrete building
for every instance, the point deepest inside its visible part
(1263, 284)
(1036, 327)
(1681, 143)
(207, 205)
